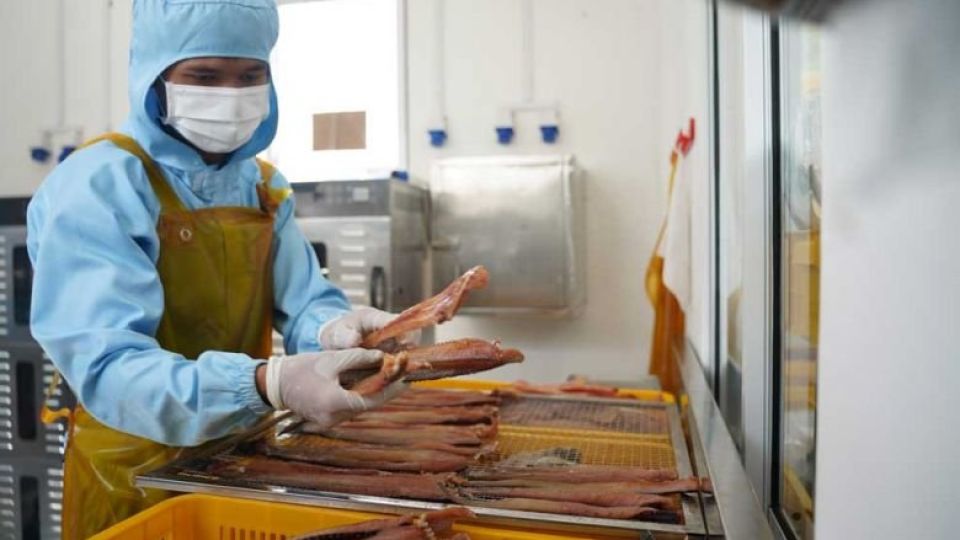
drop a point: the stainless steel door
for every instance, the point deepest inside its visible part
(358, 256)
(518, 216)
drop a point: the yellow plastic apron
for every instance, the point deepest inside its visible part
(216, 269)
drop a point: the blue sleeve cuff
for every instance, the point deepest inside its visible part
(244, 380)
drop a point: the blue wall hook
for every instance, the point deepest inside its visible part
(39, 154)
(438, 137)
(549, 133)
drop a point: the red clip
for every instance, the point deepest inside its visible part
(685, 140)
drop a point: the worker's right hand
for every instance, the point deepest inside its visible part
(309, 385)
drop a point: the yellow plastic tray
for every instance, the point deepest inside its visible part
(221, 518)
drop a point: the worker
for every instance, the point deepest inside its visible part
(164, 257)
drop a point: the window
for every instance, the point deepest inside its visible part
(337, 70)
(768, 205)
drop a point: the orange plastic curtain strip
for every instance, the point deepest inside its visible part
(668, 326)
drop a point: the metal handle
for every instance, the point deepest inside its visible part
(378, 288)
(22, 286)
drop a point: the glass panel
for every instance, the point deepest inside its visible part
(801, 174)
(744, 208)
(732, 180)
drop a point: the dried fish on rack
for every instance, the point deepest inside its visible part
(422, 446)
(361, 456)
(583, 493)
(374, 441)
(573, 508)
(481, 430)
(430, 398)
(572, 474)
(394, 414)
(569, 387)
(435, 310)
(578, 415)
(576, 509)
(683, 485)
(403, 434)
(428, 487)
(428, 526)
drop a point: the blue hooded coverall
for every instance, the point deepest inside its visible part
(94, 246)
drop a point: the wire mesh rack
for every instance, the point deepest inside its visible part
(608, 416)
(557, 431)
(603, 432)
(592, 448)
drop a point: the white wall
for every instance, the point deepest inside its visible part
(887, 431)
(611, 65)
(615, 67)
(29, 90)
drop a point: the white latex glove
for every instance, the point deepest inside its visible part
(309, 385)
(347, 331)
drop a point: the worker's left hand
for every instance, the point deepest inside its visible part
(347, 331)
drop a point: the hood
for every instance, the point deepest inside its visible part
(168, 31)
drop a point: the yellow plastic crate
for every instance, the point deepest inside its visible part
(220, 518)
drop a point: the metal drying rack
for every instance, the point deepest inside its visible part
(604, 431)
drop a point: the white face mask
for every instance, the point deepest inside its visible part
(216, 120)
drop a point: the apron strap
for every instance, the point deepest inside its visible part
(267, 170)
(270, 197)
(165, 194)
(48, 415)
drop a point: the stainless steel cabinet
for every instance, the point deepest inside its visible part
(31, 453)
(370, 237)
